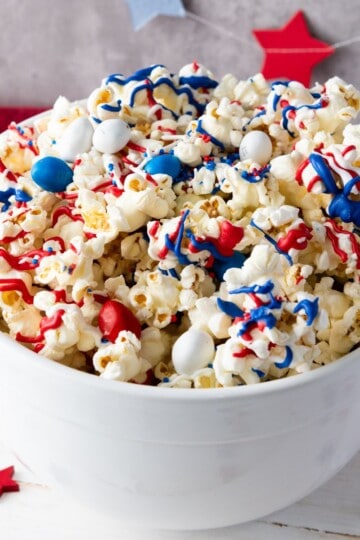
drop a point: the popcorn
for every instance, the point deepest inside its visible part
(260, 259)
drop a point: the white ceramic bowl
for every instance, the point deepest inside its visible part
(179, 458)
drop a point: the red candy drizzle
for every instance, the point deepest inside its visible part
(295, 238)
(47, 323)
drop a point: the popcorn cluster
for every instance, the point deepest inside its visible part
(178, 231)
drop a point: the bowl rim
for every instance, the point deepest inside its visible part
(161, 392)
(39, 362)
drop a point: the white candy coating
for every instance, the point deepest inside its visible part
(111, 136)
(76, 139)
(193, 350)
(256, 145)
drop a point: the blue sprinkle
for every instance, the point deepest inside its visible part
(210, 165)
(50, 249)
(111, 167)
(166, 379)
(209, 365)
(104, 340)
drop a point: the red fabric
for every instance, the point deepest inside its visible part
(16, 114)
(291, 51)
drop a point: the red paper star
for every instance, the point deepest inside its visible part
(291, 52)
(7, 484)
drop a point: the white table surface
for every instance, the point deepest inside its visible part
(39, 513)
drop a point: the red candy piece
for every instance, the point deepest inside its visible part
(114, 317)
(7, 484)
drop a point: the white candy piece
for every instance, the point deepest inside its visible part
(256, 145)
(76, 139)
(193, 350)
(111, 136)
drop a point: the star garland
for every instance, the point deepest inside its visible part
(291, 52)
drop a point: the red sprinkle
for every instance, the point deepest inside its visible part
(195, 66)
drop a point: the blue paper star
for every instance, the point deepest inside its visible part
(143, 11)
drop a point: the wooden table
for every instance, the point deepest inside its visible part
(39, 513)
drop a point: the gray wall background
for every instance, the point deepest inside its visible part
(52, 47)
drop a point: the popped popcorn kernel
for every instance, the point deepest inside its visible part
(182, 229)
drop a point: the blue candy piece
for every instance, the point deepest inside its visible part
(164, 164)
(52, 174)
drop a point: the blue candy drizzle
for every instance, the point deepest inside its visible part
(257, 175)
(287, 360)
(341, 205)
(272, 242)
(202, 131)
(20, 196)
(311, 308)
